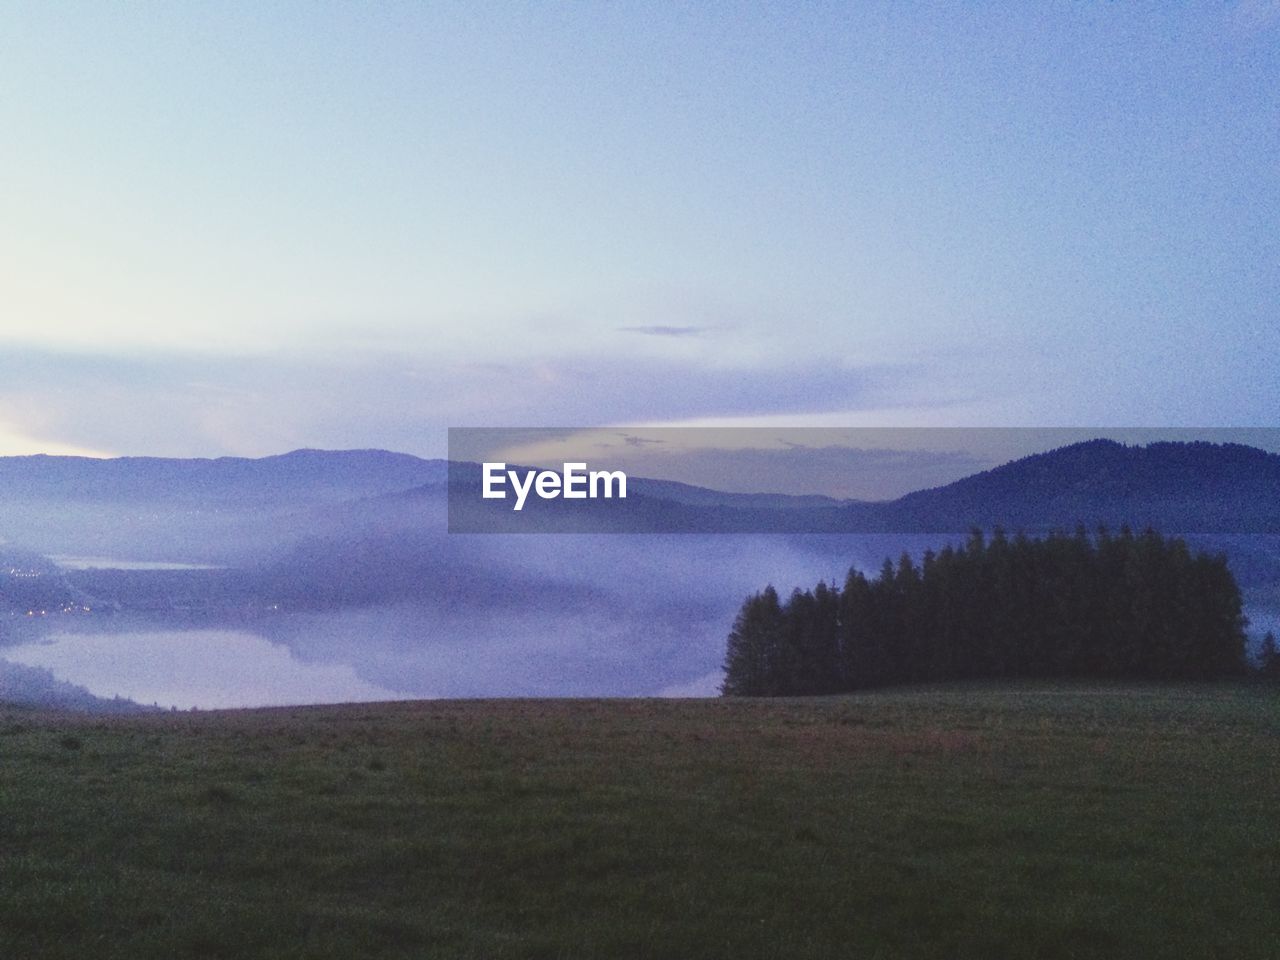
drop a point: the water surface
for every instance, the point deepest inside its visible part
(207, 669)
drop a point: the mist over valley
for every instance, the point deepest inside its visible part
(329, 576)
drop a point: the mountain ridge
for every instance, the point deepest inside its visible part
(1171, 484)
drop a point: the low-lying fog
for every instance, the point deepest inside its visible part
(544, 616)
(241, 609)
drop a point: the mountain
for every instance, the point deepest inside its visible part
(1176, 487)
(224, 510)
(313, 475)
(650, 506)
(346, 554)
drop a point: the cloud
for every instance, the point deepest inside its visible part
(179, 405)
(663, 330)
(633, 441)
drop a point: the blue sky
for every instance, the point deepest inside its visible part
(243, 228)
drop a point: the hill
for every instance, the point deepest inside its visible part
(310, 475)
(959, 822)
(223, 510)
(1175, 487)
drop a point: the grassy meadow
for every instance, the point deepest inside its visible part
(1023, 821)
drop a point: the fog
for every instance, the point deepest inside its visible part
(458, 616)
(272, 587)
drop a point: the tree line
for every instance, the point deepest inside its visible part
(1120, 606)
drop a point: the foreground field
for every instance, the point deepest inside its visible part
(957, 822)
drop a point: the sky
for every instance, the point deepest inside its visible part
(243, 228)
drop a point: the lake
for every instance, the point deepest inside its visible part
(186, 668)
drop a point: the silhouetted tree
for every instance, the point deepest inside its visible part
(1123, 606)
(752, 658)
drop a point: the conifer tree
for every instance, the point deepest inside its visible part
(1124, 606)
(751, 657)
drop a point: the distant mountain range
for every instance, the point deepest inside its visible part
(1178, 487)
(310, 475)
(228, 510)
(327, 550)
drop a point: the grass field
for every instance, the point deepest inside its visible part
(955, 822)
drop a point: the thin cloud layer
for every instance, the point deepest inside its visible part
(197, 406)
(663, 330)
